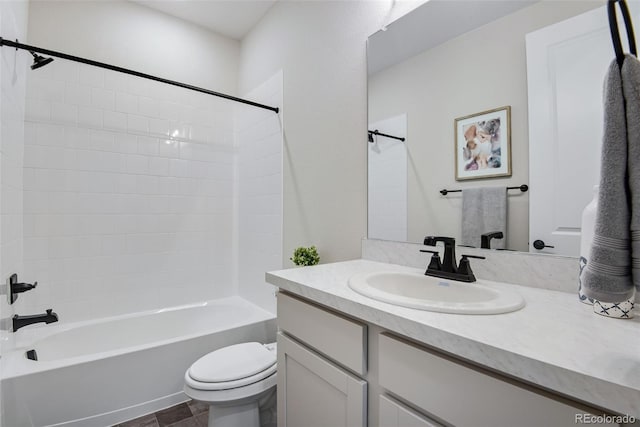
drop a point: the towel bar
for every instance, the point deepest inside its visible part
(523, 188)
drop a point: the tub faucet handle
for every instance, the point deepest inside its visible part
(16, 288)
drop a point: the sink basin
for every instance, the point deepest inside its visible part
(415, 290)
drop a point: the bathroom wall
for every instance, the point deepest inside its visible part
(128, 193)
(320, 46)
(133, 36)
(259, 192)
(13, 70)
(463, 76)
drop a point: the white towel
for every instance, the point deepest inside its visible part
(484, 210)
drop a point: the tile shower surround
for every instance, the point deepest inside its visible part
(259, 167)
(13, 75)
(128, 193)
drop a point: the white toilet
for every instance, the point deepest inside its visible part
(236, 381)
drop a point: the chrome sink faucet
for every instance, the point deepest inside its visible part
(447, 268)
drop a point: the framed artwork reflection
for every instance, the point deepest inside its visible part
(483, 144)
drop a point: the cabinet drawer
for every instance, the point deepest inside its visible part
(463, 395)
(337, 337)
(394, 414)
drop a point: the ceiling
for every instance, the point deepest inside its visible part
(230, 18)
(430, 25)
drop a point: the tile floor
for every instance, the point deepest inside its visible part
(188, 414)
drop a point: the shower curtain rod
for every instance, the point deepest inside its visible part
(18, 45)
(376, 132)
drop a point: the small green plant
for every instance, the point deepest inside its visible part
(305, 256)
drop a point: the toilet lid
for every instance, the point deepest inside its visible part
(232, 363)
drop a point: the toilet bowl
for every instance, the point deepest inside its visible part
(236, 381)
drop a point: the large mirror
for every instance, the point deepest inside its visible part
(458, 87)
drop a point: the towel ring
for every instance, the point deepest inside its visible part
(615, 34)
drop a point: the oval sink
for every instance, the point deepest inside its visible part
(415, 290)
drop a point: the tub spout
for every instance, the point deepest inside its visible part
(21, 321)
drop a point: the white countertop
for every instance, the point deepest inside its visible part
(555, 341)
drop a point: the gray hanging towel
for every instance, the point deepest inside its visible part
(484, 210)
(607, 276)
(631, 89)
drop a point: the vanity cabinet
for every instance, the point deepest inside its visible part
(321, 356)
(336, 371)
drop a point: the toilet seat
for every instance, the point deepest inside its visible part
(232, 367)
(227, 385)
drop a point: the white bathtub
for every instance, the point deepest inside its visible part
(100, 373)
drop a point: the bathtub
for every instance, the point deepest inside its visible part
(103, 372)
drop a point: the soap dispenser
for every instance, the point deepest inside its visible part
(587, 232)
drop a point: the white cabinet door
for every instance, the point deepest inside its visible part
(313, 392)
(393, 414)
(566, 66)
